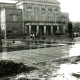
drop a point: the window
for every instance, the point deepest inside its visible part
(43, 13)
(49, 17)
(55, 8)
(55, 17)
(15, 18)
(29, 15)
(43, 16)
(50, 9)
(36, 16)
(43, 10)
(29, 6)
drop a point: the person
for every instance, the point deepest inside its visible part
(33, 36)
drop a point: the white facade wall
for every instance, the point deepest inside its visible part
(36, 11)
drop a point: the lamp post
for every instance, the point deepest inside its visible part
(13, 35)
(14, 32)
(5, 39)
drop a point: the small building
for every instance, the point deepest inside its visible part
(11, 22)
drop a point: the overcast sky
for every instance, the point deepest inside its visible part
(8, 1)
(70, 6)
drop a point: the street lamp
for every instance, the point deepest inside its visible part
(5, 38)
(14, 32)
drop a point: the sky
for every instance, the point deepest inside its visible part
(69, 6)
(8, 1)
(72, 7)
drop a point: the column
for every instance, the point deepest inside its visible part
(57, 29)
(64, 29)
(29, 29)
(44, 30)
(51, 30)
(37, 30)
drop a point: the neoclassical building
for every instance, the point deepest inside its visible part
(42, 17)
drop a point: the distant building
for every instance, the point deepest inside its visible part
(64, 17)
(41, 17)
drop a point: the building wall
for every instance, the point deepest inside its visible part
(37, 11)
(12, 21)
(7, 5)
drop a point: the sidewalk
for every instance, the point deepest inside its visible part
(29, 43)
(62, 38)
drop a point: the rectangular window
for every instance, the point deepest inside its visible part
(55, 8)
(50, 17)
(55, 17)
(15, 18)
(50, 9)
(29, 15)
(43, 16)
(29, 6)
(36, 15)
(43, 10)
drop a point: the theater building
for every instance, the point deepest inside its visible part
(41, 17)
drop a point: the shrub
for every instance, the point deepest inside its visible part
(10, 68)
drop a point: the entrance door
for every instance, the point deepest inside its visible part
(41, 30)
(48, 30)
(33, 29)
(54, 29)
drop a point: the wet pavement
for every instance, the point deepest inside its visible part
(43, 58)
(28, 44)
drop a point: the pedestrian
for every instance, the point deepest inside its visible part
(33, 36)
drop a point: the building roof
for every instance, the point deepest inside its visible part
(42, 1)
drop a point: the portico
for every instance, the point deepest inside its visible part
(42, 29)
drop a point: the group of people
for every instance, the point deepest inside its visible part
(32, 36)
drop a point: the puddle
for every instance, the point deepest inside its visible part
(75, 50)
(69, 68)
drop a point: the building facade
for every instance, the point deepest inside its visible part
(41, 17)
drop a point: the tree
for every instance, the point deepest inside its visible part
(76, 27)
(70, 29)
